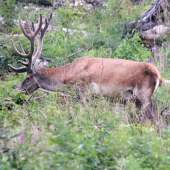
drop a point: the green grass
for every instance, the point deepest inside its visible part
(98, 134)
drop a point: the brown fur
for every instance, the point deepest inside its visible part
(109, 77)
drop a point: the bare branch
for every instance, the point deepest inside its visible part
(74, 54)
(44, 116)
(77, 52)
(3, 3)
(36, 97)
(45, 91)
(90, 47)
(164, 110)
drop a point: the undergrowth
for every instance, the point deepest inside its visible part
(61, 132)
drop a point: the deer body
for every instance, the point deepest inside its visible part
(115, 78)
(110, 77)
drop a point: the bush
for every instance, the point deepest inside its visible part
(38, 2)
(9, 12)
(131, 49)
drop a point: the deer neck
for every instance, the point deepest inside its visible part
(51, 79)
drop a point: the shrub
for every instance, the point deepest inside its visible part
(38, 2)
(131, 49)
(9, 12)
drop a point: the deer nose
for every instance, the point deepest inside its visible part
(23, 89)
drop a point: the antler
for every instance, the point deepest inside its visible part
(31, 35)
(40, 38)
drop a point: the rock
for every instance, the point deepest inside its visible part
(150, 36)
(2, 21)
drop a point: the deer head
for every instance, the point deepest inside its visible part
(30, 84)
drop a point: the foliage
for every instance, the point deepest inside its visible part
(127, 147)
(91, 136)
(97, 134)
(8, 156)
(9, 96)
(103, 27)
(38, 2)
(7, 53)
(9, 12)
(131, 49)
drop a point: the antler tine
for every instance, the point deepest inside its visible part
(39, 26)
(17, 52)
(28, 56)
(22, 50)
(31, 36)
(28, 26)
(17, 70)
(33, 28)
(47, 22)
(40, 39)
(23, 63)
(23, 30)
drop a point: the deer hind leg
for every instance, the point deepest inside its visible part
(148, 109)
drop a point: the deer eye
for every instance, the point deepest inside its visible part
(27, 78)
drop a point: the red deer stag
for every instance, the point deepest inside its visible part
(109, 77)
